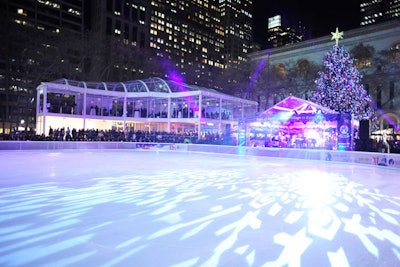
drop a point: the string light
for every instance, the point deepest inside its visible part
(339, 86)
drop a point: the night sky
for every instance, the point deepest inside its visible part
(320, 17)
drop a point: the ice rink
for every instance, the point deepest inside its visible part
(148, 208)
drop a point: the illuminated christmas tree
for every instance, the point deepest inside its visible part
(339, 85)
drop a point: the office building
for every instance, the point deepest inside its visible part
(280, 33)
(195, 39)
(184, 38)
(32, 49)
(118, 35)
(376, 11)
(237, 19)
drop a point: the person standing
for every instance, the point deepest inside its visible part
(385, 143)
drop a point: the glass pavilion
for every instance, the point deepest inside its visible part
(152, 105)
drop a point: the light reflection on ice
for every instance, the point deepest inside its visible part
(256, 212)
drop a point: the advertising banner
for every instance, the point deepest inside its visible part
(344, 130)
(242, 133)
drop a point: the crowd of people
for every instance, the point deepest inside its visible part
(91, 135)
(88, 135)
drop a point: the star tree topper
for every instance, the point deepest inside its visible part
(337, 35)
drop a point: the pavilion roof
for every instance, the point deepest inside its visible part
(295, 105)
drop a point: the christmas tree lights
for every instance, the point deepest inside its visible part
(339, 86)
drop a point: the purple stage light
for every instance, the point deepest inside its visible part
(254, 77)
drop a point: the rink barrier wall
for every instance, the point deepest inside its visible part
(358, 157)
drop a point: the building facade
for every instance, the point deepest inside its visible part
(373, 11)
(193, 38)
(237, 20)
(280, 33)
(34, 46)
(376, 52)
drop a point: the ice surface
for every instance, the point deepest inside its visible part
(147, 208)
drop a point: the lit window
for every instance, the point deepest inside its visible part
(362, 63)
(395, 53)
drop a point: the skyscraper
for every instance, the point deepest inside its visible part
(280, 33)
(375, 11)
(189, 36)
(118, 31)
(193, 38)
(53, 16)
(184, 37)
(237, 19)
(32, 48)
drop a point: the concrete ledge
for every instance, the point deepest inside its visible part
(369, 158)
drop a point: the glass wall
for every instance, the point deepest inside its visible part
(149, 105)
